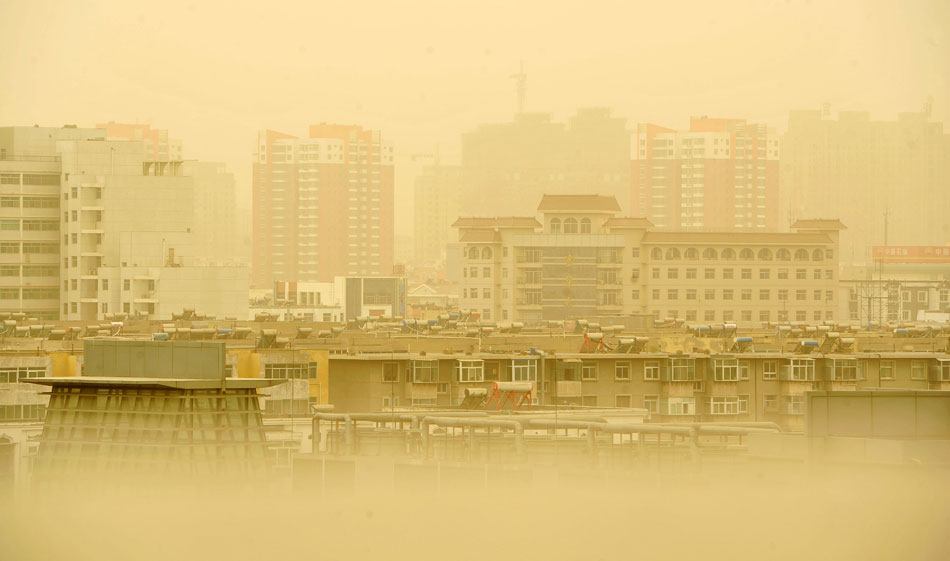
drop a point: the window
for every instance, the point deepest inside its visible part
(727, 294)
(709, 315)
(918, 370)
(291, 370)
(921, 296)
(746, 315)
(887, 370)
(801, 255)
(801, 274)
(390, 372)
(709, 254)
(769, 370)
(801, 294)
(672, 273)
(10, 247)
(655, 293)
(783, 274)
(486, 272)
(105, 284)
(764, 294)
(470, 371)
(690, 293)
(746, 255)
(12, 375)
(746, 274)
(486, 253)
(770, 401)
(425, 371)
(765, 255)
(746, 294)
(801, 315)
(816, 274)
(524, 370)
(9, 293)
(486, 293)
(126, 285)
(655, 273)
(794, 405)
(651, 370)
(635, 294)
(585, 225)
(656, 253)
(816, 295)
(442, 388)
(681, 406)
(622, 401)
(622, 370)
(841, 370)
(40, 225)
(682, 370)
(10, 225)
(802, 370)
(726, 370)
(570, 226)
(783, 294)
(635, 252)
(9, 202)
(672, 294)
(473, 272)
(727, 274)
(555, 226)
(724, 405)
(744, 368)
(589, 371)
(651, 403)
(709, 274)
(589, 401)
(709, 293)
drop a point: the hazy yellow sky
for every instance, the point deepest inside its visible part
(423, 72)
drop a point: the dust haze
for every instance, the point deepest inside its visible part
(438, 280)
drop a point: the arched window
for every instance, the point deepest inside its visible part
(746, 255)
(783, 255)
(585, 225)
(765, 254)
(570, 226)
(710, 254)
(486, 253)
(729, 254)
(555, 225)
(691, 253)
(817, 255)
(473, 253)
(801, 255)
(656, 254)
(672, 253)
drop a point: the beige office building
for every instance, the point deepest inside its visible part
(582, 260)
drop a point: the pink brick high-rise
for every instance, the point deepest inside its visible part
(322, 205)
(721, 174)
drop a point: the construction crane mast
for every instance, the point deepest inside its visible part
(521, 80)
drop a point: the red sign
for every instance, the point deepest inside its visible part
(911, 254)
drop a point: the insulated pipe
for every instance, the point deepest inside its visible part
(741, 424)
(469, 422)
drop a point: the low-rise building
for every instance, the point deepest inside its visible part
(583, 260)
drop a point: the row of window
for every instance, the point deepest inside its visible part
(29, 271)
(10, 201)
(746, 315)
(427, 371)
(28, 247)
(745, 254)
(29, 179)
(570, 226)
(673, 273)
(12, 375)
(29, 293)
(293, 371)
(28, 225)
(22, 412)
(764, 294)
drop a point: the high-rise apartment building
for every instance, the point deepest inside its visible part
(217, 238)
(97, 229)
(156, 144)
(721, 174)
(889, 181)
(507, 167)
(584, 260)
(322, 205)
(437, 205)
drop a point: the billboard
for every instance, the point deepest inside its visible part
(911, 254)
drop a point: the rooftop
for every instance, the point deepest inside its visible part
(820, 224)
(735, 238)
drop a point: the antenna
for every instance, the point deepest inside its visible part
(520, 82)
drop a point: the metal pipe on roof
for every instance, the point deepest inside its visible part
(469, 422)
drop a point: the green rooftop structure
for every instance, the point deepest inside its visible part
(153, 408)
